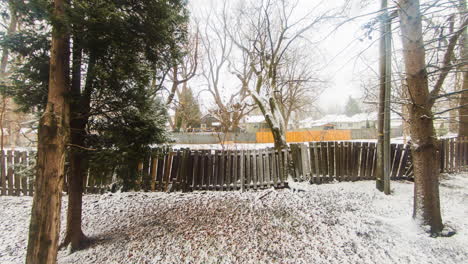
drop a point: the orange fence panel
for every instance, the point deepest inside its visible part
(306, 136)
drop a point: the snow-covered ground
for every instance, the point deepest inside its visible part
(251, 146)
(330, 223)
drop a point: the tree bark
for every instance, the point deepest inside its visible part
(379, 172)
(74, 235)
(405, 111)
(424, 147)
(79, 112)
(463, 111)
(44, 228)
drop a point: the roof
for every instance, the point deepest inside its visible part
(254, 119)
(361, 117)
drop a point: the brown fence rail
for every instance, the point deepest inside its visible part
(184, 169)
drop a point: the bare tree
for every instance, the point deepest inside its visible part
(231, 103)
(183, 69)
(265, 31)
(424, 147)
(299, 84)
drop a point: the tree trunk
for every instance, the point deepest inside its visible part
(11, 29)
(424, 147)
(405, 111)
(3, 68)
(463, 111)
(273, 119)
(379, 172)
(2, 118)
(74, 235)
(44, 228)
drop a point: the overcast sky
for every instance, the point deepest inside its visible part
(348, 60)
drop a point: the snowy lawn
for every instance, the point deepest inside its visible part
(331, 223)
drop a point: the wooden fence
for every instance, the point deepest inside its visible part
(13, 179)
(316, 162)
(321, 162)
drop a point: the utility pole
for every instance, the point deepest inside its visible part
(383, 126)
(388, 90)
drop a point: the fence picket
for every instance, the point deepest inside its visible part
(281, 167)
(465, 152)
(447, 155)
(370, 162)
(261, 169)
(273, 167)
(324, 152)
(16, 176)
(227, 176)
(345, 161)
(285, 155)
(254, 169)
(24, 179)
(338, 161)
(10, 172)
(268, 169)
(458, 159)
(242, 171)
(452, 155)
(404, 160)
(313, 168)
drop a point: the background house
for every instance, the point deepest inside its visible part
(358, 121)
(253, 124)
(209, 123)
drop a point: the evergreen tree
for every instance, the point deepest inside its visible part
(188, 112)
(352, 107)
(117, 48)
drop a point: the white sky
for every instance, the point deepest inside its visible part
(345, 65)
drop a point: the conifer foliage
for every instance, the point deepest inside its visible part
(116, 49)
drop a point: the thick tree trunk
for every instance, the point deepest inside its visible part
(424, 147)
(379, 172)
(463, 111)
(44, 228)
(405, 111)
(273, 120)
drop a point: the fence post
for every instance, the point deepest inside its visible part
(242, 171)
(3, 173)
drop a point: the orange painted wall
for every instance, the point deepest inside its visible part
(306, 136)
